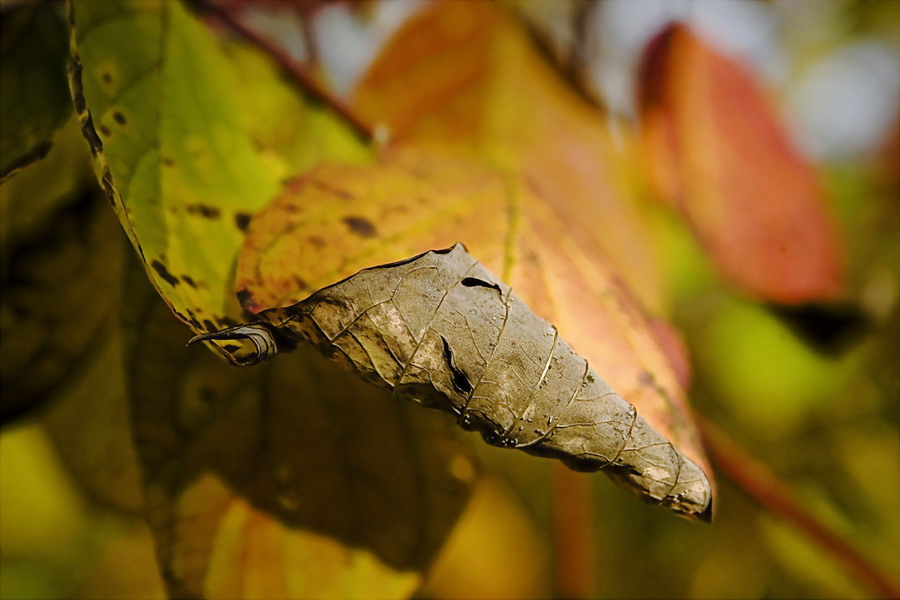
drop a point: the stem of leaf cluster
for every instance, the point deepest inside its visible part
(757, 481)
(574, 560)
(308, 84)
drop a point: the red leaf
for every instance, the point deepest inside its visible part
(718, 152)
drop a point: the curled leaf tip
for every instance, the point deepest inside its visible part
(257, 333)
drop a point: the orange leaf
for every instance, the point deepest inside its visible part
(464, 76)
(718, 152)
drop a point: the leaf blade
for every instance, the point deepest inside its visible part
(719, 154)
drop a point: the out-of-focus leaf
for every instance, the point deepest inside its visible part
(718, 153)
(512, 555)
(61, 342)
(291, 132)
(463, 75)
(286, 481)
(57, 303)
(40, 507)
(34, 195)
(175, 145)
(338, 219)
(124, 567)
(88, 420)
(765, 375)
(34, 102)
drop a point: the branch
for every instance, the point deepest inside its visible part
(755, 480)
(308, 85)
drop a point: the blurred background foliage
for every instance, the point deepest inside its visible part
(813, 393)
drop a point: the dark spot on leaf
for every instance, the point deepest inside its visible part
(119, 117)
(164, 273)
(107, 78)
(189, 281)
(209, 325)
(360, 226)
(460, 381)
(228, 322)
(105, 130)
(244, 297)
(300, 282)
(242, 220)
(196, 324)
(167, 161)
(232, 348)
(316, 241)
(321, 185)
(204, 210)
(475, 282)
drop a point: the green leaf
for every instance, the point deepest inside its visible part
(33, 98)
(176, 145)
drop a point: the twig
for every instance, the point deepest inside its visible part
(755, 480)
(306, 82)
(574, 562)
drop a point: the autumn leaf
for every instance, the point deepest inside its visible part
(184, 155)
(33, 98)
(341, 218)
(718, 153)
(288, 481)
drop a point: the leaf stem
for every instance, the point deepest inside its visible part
(758, 482)
(307, 84)
(574, 561)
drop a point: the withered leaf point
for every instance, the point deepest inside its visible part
(440, 330)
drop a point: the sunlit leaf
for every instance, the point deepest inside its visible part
(339, 219)
(498, 529)
(288, 481)
(34, 102)
(176, 144)
(719, 154)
